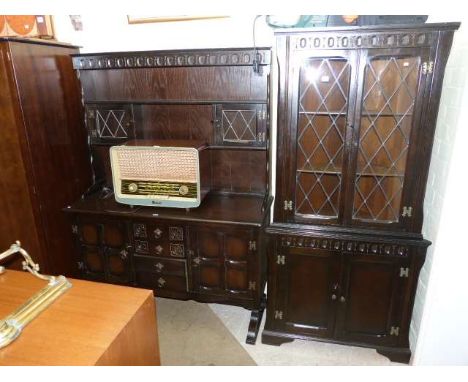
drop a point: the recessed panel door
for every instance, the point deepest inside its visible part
(370, 303)
(306, 302)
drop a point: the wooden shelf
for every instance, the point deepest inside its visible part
(322, 169)
(215, 208)
(380, 171)
(324, 113)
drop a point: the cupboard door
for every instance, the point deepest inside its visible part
(371, 299)
(220, 263)
(110, 124)
(240, 124)
(320, 118)
(390, 103)
(306, 301)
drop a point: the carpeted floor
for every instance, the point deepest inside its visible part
(191, 334)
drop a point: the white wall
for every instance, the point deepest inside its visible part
(113, 33)
(437, 334)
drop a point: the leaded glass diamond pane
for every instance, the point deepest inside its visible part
(110, 124)
(323, 104)
(387, 111)
(239, 125)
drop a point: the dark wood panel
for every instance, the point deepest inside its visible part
(311, 281)
(371, 299)
(238, 170)
(232, 209)
(56, 140)
(193, 122)
(17, 201)
(226, 83)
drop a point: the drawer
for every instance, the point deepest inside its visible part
(159, 281)
(158, 232)
(160, 265)
(172, 250)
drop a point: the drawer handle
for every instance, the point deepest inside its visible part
(342, 299)
(333, 297)
(161, 282)
(159, 249)
(159, 266)
(157, 233)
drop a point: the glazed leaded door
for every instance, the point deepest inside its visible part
(390, 97)
(323, 87)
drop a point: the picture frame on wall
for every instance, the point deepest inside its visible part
(32, 26)
(138, 19)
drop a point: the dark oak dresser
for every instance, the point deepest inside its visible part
(44, 157)
(213, 253)
(356, 117)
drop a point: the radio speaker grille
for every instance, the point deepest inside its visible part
(172, 165)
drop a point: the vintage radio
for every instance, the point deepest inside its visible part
(162, 173)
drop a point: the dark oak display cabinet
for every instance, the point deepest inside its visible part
(356, 117)
(212, 253)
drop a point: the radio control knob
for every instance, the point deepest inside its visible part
(183, 190)
(133, 187)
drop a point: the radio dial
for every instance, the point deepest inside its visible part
(183, 190)
(133, 187)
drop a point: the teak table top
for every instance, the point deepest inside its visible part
(91, 324)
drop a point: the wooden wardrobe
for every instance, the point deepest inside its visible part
(44, 159)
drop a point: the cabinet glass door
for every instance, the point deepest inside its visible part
(389, 109)
(323, 102)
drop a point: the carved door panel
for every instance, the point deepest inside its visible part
(220, 261)
(105, 250)
(92, 263)
(110, 124)
(371, 299)
(306, 301)
(240, 124)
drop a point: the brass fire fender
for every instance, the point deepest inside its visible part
(12, 325)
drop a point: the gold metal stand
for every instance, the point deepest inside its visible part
(12, 325)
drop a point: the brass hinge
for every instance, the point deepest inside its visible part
(288, 205)
(80, 265)
(281, 260)
(261, 137)
(427, 67)
(394, 331)
(252, 285)
(278, 315)
(262, 114)
(75, 229)
(252, 245)
(123, 254)
(404, 272)
(407, 211)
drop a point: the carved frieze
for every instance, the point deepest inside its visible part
(352, 41)
(352, 246)
(171, 59)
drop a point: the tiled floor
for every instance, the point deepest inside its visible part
(296, 353)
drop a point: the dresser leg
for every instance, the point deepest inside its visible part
(255, 321)
(396, 355)
(271, 339)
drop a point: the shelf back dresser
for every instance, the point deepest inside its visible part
(357, 112)
(213, 253)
